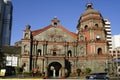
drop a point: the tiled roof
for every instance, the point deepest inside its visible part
(67, 31)
(36, 32)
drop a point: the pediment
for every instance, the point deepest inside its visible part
(52, 33)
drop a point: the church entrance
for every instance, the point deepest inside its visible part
(53, 69)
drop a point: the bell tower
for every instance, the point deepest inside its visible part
(91, 28)
(27, 32)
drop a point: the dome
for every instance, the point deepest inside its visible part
(89, 9)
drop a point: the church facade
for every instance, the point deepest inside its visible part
(55, 49)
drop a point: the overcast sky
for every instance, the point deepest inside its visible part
(39, 13)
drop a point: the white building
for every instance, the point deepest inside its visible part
(108, 33)
(116, 41)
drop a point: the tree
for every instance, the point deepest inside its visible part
(2, 60)
(87, 70)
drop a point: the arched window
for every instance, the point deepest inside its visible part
(99, 51)
(54, 53)
(25, 48)
(113, 51)
(96, 25)
(86, 26)
(26, 35)
(39, 52)
(69, 53)
(118, 51)
(55, 24)
(81, 38)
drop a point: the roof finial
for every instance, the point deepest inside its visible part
(55, 16)
(55, 21)
(89, 6)
(28, 27)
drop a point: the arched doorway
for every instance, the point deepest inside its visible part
(54, 66)
(99, 51)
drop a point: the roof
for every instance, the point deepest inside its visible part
(36, 32)
(11, 49)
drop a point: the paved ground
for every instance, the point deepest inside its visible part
(26, 77)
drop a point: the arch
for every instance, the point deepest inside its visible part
(55, 24)
(81, 38)
(25, 48)
(99, 51)
(86, 26)
(26, 35)
(39, 52)
(69, 54)
(96, 25)
(54, 53)
(54, 66)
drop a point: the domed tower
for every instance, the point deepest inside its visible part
(91, 28)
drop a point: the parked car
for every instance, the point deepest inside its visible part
(94, 76)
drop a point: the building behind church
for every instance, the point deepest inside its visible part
(6, 9)
(54, 48)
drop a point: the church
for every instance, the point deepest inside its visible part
(56, 51)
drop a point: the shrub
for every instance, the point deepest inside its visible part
(78, 71)
(18, 69)
(87, 70)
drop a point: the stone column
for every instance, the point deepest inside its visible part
(63, 72)
(60, 72)
(54, 73)
(42, 67)
(46, 72)
(46, 68)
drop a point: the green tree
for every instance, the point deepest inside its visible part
(17, 69)
(87, 70)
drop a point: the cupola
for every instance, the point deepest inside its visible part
(55, 22)
(90, 9)
(90, 18)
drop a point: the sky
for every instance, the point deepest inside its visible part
(39, 13)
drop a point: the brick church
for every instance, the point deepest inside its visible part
(57, 51)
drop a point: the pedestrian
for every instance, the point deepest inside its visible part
(34, 71)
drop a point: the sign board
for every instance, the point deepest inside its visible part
(2, 72)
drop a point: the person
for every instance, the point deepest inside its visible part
(34, 71)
